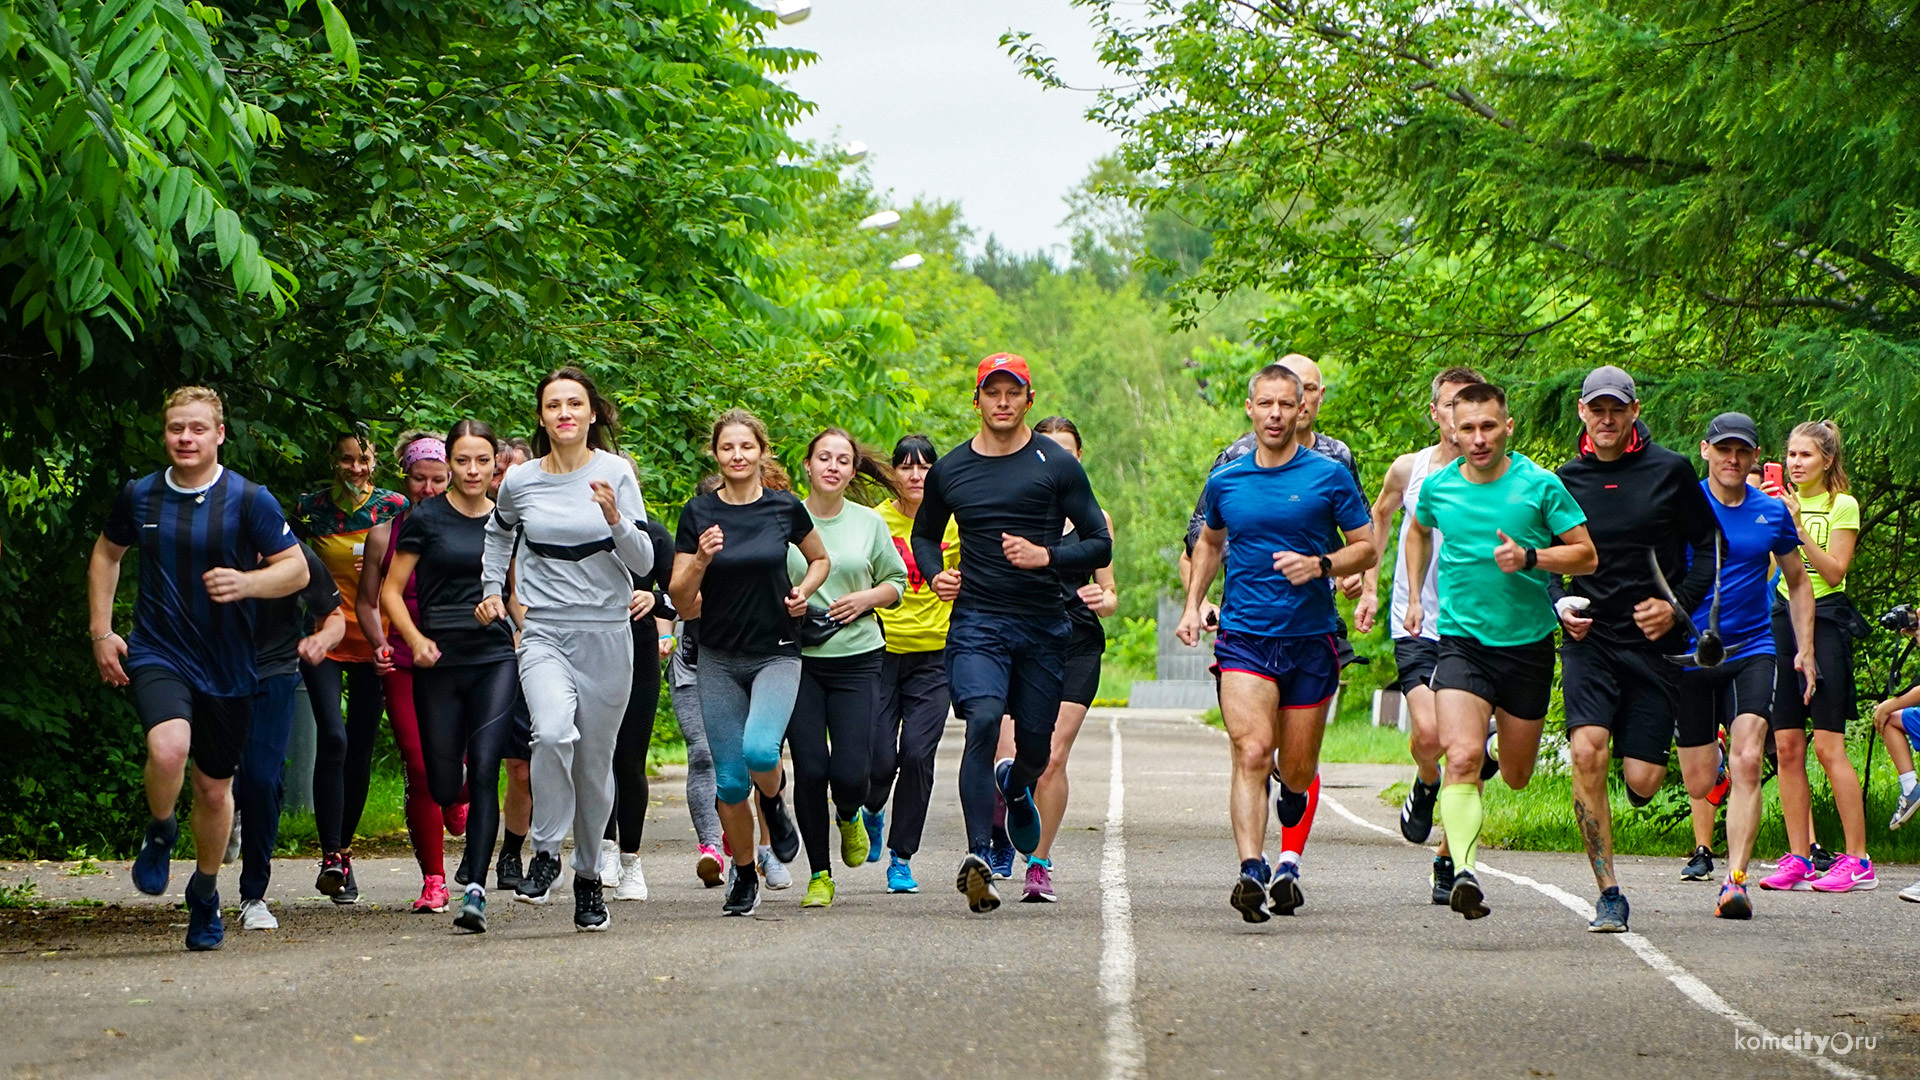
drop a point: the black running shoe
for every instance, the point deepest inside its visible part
(1466, 897)
(743, 891)
(507, 872)
(461, 875)
(975, 879)
(1490, 765)
(1283, 892)
(1700, 867)
(350, 887)
(473, 912)
(1442, 880)
(333, 875)
(1290, 805)
(1416, 817)
(1249, 898)
(1609, 913)
(589, 907)
(1821, 858)
(538, 882)
(781, 835)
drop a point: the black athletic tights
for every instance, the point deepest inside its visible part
(831, 734)
(343, 751)
(466, 721)
(630, 793)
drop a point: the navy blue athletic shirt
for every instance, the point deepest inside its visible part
(182, 535)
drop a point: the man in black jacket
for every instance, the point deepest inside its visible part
(1644, 508)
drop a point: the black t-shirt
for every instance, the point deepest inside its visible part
(743, 597)
(449, 544)
(280, 623)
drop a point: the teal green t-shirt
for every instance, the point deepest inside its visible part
(862, 555)
(1478, 599)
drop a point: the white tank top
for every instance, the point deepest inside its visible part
(1430, 587)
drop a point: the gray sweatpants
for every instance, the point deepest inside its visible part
(700, 781)
(576, 681)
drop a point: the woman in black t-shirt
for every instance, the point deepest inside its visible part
(730, 564)
(465, 677)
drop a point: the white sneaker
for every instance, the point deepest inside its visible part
(609, 863)
(772, 870)
(1911, 892)
(633, 883)
(255, 916)
(233, 842)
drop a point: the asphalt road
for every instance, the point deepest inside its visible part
(1140, 970)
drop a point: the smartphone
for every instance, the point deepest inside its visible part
(1771, 475)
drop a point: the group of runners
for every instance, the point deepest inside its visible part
(512, 609)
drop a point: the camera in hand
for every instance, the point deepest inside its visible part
(1901, 618)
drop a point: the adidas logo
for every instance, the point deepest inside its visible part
(1760, 519)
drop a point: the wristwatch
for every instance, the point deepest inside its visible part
(1533, 558)
(1326, 567)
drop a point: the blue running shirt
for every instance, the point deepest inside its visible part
(1296, 507)
(1758, 529)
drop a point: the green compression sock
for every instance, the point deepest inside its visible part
(1461, 815)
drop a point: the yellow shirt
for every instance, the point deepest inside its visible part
(919, 624)
(1822, 515)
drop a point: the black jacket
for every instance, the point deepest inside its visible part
(1647, 499)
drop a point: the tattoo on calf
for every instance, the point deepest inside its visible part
(1590, 833)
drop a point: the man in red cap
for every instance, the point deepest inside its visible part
(1012, 495)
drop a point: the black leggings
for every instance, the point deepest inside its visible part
(630, 793)
(466, 722)
(906, 735)
(831, 734)
(343, 749)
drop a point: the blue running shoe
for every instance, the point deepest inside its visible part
(876, 824)
(1000, 858)
(205, 931)
(900, 876)
(1283, 892)
(150, 867)
(1023, 818)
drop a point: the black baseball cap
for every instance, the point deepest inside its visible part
(1608, 381)
(1733, 427)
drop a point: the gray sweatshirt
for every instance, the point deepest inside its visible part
(572, 567)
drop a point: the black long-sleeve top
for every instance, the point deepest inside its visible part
(1031, 493)
(1647, 499)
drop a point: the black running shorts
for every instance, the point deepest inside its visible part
(1633, 693)
(1414, 657)
(219, 723)
(1516, 679)
(1711, 697)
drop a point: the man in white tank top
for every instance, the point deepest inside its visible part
(1414, 655)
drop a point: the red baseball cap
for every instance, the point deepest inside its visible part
(1015, 366)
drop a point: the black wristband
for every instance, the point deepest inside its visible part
(1326, 567)
(1533, 558)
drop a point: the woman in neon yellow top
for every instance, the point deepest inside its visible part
(913, 679)
(1829, 523)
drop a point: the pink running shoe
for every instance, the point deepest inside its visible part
(433, 895)
(1039, 887)
(1848, 875)
(1793, 874)
(711, 870)
(455, 819)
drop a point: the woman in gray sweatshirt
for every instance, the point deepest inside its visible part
(571, 523)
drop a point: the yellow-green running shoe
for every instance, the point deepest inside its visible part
(819, 890)
(853, 841)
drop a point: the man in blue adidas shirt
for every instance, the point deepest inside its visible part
(1737, 694)
(1279, 505)
(190, 659)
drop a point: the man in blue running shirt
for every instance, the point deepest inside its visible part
(1280, 506)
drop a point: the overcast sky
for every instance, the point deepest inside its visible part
(947, 114)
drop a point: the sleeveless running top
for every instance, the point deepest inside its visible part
(402, 655)
(1429, 588)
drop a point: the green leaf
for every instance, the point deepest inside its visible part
(340, 37)
(146, 76)
(226, 234)
(175, 188)
(200, 207)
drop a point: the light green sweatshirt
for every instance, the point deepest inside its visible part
(861, 552)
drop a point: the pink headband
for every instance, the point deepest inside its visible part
(423, 449)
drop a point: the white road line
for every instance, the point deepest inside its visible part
(1125, 1053)
(1683, 980)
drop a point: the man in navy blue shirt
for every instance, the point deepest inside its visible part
(1737, 694)
(210, 541)
(1280, 506)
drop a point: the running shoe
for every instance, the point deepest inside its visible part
(743, 891)
(1442, 880)
(507, 872)
(900, 876)
(1283, 892)
(455, 819)
(349, 886)
(1734, 903)
(1249, 896)
(589, 906)
(463, 874)
(1794, 873)
(1416, 815)
(633, 881)
(1821, 858)
(781, 835)
(1700, 867)
(876, 821)
(1610, 912)
(713, 872)
(1490, 767)
(1023, 818)
(1000, 859)
(1039, 888)
(1466, 898)
(473, 911)
(1903, 810)
(1911, 893)
(537, 886)
(205, 931)
(1848, 875)
(1289, 806)
(433, 896)
(152, 867)
(1722, 781)
(819, 890)
(333, 874)
(254, 915)
(853, 840)
(609, 863)
(233, 842)
(976, 881)
(774, 871)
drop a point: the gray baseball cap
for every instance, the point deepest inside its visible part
(1733, 426)
(1608, 381)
